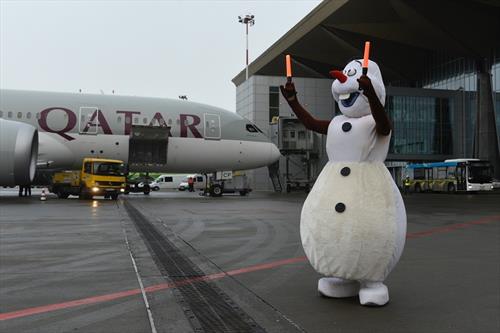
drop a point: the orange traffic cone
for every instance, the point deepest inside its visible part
(43, 197)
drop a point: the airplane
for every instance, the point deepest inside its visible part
(44, 132)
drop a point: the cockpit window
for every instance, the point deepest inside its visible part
(258, 129)
(251, 128)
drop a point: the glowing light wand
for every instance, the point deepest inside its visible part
(288, 68)
(365, 58)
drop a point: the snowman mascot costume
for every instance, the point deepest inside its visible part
(353, 222)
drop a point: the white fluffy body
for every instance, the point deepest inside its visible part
(359, 243)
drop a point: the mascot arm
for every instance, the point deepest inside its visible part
(320, 126)
(383, 124)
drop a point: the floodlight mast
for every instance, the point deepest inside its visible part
(247, 20)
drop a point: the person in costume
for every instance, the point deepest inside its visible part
(353, 222)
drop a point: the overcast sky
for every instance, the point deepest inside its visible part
(144, 48)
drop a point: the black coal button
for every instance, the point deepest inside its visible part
(345, 171)
(346, 127)
(340, 207)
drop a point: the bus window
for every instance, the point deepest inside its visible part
(199, 179)
(441, 173)
(419, 174)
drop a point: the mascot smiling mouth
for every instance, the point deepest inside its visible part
(348, 100)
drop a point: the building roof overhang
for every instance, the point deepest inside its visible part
(404, 34)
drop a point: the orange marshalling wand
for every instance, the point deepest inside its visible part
(288, 67)
(366, 57)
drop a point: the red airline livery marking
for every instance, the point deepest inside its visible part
(188, 122)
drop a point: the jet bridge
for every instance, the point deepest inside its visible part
(300, 147)
(148, 148)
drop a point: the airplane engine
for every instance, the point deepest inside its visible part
(18, 152)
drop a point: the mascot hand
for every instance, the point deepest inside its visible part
(365, 84)
(288, 91)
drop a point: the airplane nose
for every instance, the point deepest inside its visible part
(274, 154)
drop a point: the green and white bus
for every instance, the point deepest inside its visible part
(465, 174)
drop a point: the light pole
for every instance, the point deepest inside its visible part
(247, 20)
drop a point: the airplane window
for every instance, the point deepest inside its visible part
(127, 120)
(9, 114)
(19, 115)
(258, 129)
(136, 120)
(28, 115)
(119, 119)
(144, 120)
(251, 128)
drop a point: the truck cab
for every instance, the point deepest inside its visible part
(96, 177)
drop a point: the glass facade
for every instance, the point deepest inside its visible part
(460, 74)
(422, 125)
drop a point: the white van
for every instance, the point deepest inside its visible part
(168, 181)
(199, 182)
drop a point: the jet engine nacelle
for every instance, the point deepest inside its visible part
(18, 152)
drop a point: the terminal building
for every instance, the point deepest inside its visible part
(440, 61)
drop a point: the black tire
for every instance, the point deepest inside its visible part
(418, 189)
(156, 188)
(216, 190)
(451, 188)
(84, 194)
(62, 195)
(106, 196)
(114, 196)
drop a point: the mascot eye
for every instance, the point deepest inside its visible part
(351, 72)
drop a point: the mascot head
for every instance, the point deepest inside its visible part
(345, 88)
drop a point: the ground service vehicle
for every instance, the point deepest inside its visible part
(450, 176)
(97, 176)
(168, 181)
(223, 182)
(199, 183)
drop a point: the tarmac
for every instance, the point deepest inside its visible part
(180, 262)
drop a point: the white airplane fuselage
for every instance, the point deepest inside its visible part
(74, 126)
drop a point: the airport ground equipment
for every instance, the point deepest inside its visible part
(227, 182)
(96, 177)
(454, 175)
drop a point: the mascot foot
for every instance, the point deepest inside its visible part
(373, 294)
(337, 287)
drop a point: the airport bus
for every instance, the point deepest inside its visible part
(449, 176)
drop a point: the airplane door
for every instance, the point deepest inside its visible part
(212, 126)
(88, 120)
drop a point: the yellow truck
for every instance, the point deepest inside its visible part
(97, 177)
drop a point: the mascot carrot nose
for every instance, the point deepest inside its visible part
(339, 76)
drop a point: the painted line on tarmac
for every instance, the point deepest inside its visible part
(453, 227)
(216, 276)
